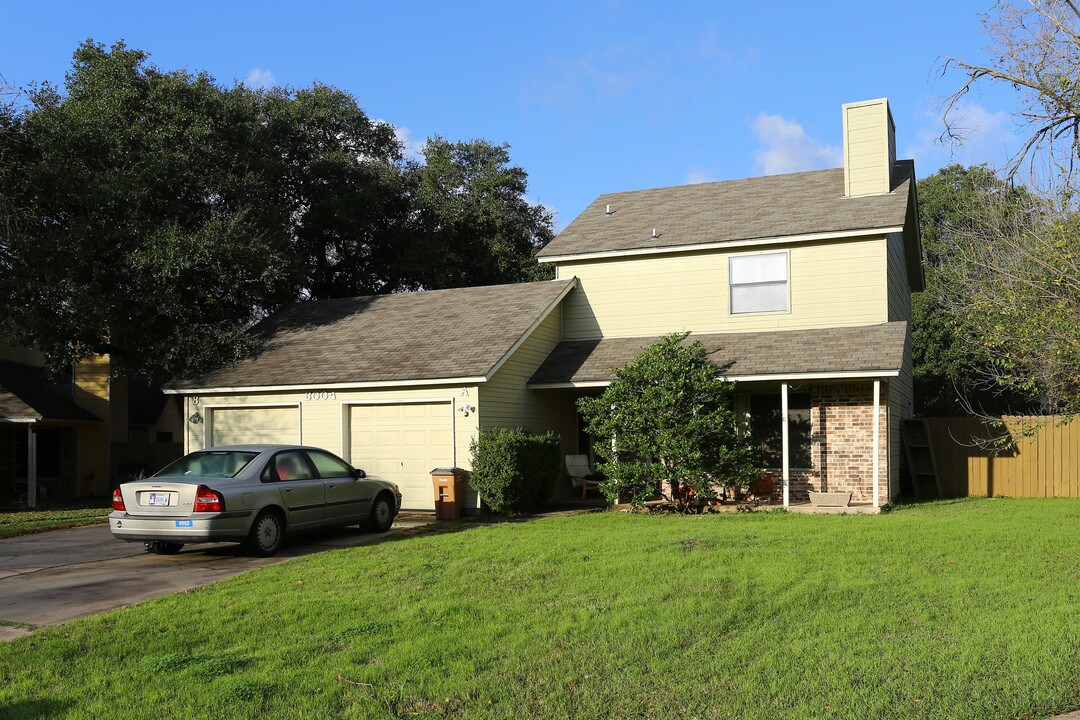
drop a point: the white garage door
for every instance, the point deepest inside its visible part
(239, 426)
(402, 444)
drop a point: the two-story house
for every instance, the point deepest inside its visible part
(799, 286)
(73, 436)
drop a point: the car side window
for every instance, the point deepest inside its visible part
(288, 465)
(329, 466)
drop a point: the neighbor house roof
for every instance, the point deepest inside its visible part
(861, 350)
(26, 395)
(772, 206)
(418, 336)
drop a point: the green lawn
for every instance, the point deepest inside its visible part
(24, 522)
(957, 609)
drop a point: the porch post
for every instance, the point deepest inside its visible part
(31, 466)
(877, 442)
(784, 441)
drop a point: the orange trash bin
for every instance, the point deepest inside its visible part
(449, 486)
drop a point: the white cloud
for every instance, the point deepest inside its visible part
(412, 148)
(260, 78)
(785, 147)
(697, 175)
(987, 137)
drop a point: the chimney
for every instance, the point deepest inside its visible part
(869, 148)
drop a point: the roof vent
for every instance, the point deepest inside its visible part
(608, 210)
(655, 236)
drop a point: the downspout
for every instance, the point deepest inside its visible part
(31, 466)
(784, 441)
(877, 442)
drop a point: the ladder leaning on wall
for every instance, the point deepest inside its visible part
(922, 464)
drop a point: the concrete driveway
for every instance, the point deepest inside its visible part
(55, 576)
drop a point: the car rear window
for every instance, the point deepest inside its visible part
(209, 463)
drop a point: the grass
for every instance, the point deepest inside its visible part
(955, 609)
(25, 521)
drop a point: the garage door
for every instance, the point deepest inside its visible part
(403, 443)
(239, 426)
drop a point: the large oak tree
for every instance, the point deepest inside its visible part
(1013, 285)
(156, 215)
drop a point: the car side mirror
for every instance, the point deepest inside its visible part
(359, 474)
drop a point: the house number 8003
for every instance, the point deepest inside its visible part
(321, 395)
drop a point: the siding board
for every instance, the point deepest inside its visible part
(830, 284)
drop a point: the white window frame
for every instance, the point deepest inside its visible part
(786, 283)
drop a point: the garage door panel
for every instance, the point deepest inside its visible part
(239, 426)
(402, 443)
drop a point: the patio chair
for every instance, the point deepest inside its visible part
(581, 473)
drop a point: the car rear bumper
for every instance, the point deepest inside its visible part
(225, 527)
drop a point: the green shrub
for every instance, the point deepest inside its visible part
(666, 418)
(514, 469)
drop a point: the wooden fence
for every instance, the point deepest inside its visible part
(1044, 465)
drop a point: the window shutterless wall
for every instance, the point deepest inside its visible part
(838, 283)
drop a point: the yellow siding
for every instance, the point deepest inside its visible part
(505, 401)
(900, 404)
(899, 288)
(91, 461)
(841, 283)
(172, 419)
(91, 391)
(323, 417)
(867, 143)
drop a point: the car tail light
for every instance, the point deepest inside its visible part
(207, 500)
(118, 500)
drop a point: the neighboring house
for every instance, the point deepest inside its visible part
(70, 437)
(799, 285)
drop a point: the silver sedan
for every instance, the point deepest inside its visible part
(253, 494)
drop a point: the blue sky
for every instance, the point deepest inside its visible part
(593, 97)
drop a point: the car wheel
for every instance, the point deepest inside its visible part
(160, 547)
(267, 534)
(382, 514)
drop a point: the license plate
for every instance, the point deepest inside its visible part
(160, 498)
(183, 523)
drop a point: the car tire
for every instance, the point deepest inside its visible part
(161, 547)
(267, 534)
(382, 514)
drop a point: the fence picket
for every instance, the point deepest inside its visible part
(1044, 465)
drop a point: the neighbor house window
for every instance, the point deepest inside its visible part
(765, 429)
(759, 283)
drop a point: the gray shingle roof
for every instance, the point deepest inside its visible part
(843, 349)
(428, 335)
(770, 206)
(25, 394)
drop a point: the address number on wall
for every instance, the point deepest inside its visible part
(321, 395)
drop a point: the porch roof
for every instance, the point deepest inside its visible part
(25, 396)
(861, 351)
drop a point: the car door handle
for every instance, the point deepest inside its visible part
(331, 487)
(286, 489)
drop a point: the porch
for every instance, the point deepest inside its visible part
(820, 403)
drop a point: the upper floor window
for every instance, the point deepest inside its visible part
(759, 283)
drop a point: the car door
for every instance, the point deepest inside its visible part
(301, 490)
(348, 499)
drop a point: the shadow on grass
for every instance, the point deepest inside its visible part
(908, 502)
(33, 709)
(310, 543)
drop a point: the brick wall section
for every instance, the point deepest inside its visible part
(842, 445)
(842, 418)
